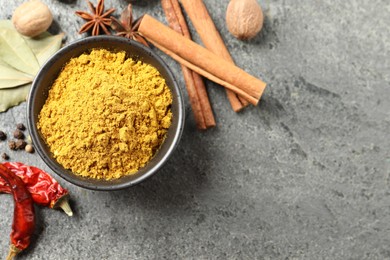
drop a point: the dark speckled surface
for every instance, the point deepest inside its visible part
(305, 175)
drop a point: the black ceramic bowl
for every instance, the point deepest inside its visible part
(49, 72)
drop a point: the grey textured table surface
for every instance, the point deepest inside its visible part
(304, 175)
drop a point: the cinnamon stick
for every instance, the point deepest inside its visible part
(204, 100)
(196, 89)
(201, 60)
(199, 83)
(194, 98)
(212, 40)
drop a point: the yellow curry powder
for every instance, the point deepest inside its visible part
(106, 115)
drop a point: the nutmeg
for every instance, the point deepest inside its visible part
(244, 18)
(32, 18)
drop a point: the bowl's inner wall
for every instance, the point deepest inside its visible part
(49, 73)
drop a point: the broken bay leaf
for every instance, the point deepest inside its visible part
(44, 45)
(13, 96)
(10, 77)
(20, 59)
(6, 24)
(15, 52)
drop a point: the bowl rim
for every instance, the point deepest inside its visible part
(34, 132)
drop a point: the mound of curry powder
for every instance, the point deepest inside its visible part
(106, 115)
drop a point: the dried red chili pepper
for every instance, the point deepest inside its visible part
(44, 189)
(24, 217)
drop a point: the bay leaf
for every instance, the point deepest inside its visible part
(10, 77)
(15, 52)
(13, 96)
(44, 46)
(6, 24)
(20, 59)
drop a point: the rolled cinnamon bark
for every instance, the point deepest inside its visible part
(196, 106)
(201, 60)
(196, 88)
(212, 40)
(199, 83)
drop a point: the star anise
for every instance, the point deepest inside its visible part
(127, 27)
(96, 19)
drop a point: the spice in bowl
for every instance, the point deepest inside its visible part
(106, 115)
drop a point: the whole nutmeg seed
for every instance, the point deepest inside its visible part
(32, 18)
(244, 18)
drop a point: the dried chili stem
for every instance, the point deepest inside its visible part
(13, 251)
(63, 203)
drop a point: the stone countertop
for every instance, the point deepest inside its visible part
(304, 175)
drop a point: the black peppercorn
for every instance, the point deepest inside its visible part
(12, 145)
(4, 156)
(20, 144)
(21, 126)
(18, 134)
(3, 136)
